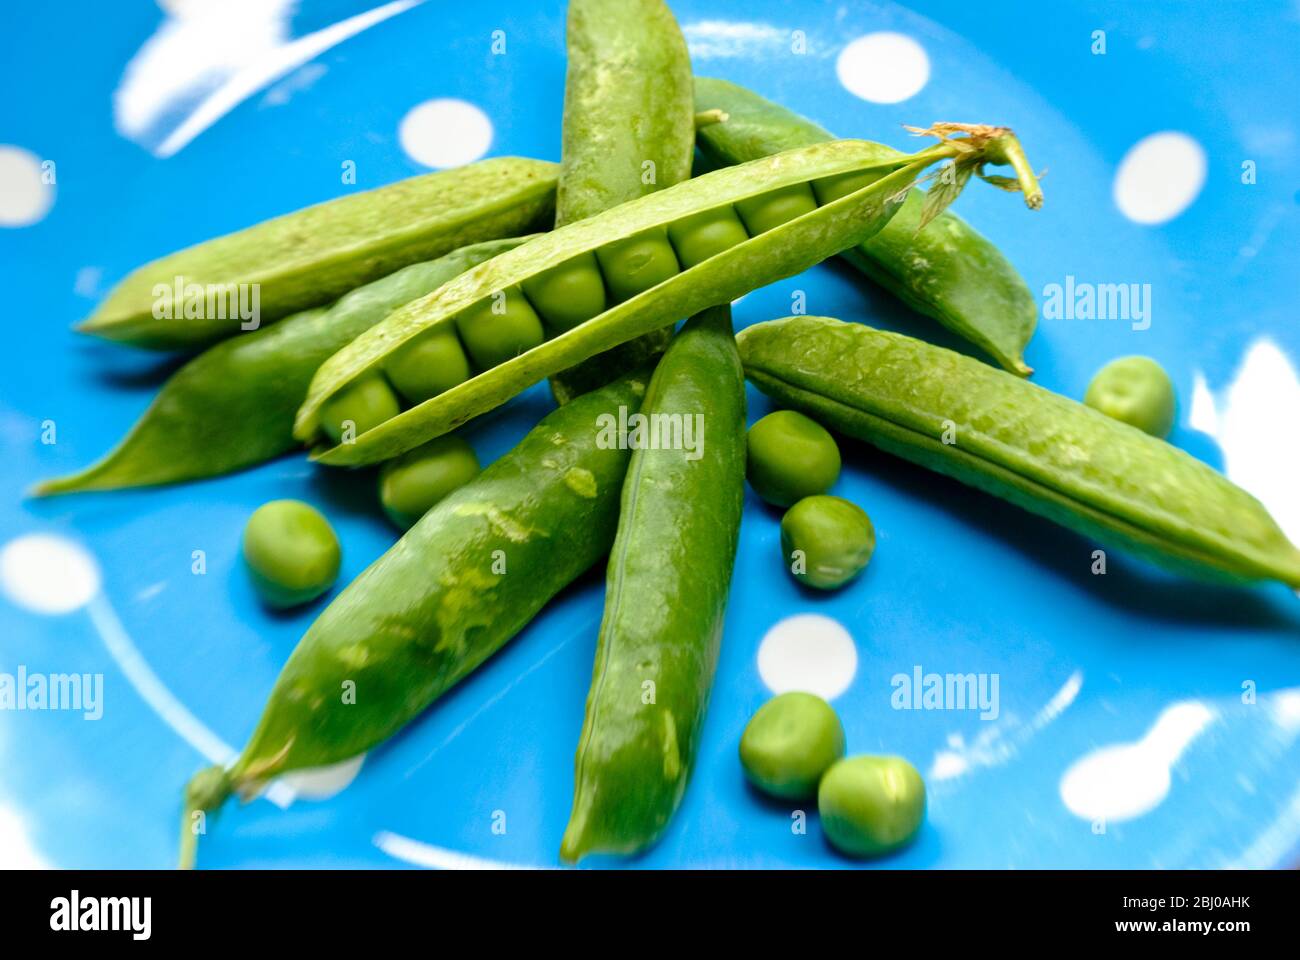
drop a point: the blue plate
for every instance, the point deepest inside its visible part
(1117, 719)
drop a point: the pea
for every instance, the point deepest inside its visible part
(698, 237)
(569, 294)
(638, 263)
(827, 541)
(789, 743)
(871, 805)
(412, 483)
(358, 407)
(1137, 391)
(771, 209)
(428, 365)
(791, 457)
(830, 189)
(291, 552)
(499, 328)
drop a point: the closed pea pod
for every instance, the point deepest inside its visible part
(947, 271)
(312, 256)
(779, 252)
(655, 660)
(439, 602)
(1037, 449)
(232, 406)
(629, 130)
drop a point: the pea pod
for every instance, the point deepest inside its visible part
(629, 130)
(667, 583)
(1005, 436)
(232, 406)
(947, 271)
(465, 579)
(313, 256)
(632, 242)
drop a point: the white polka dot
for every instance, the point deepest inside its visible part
(808, 652)
(24, 197)
(445, 133)
(883, 67)
(1159, 177)
(321, 783)
(48, 574)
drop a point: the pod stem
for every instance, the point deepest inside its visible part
(207, 791)
(707, 118)
(976, 146)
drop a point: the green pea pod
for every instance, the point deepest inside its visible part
(947, 271)
(1005, 436)
(315, 255)
(631, 245)
(676, 543)
(232, 406)
(629, 130)
(465, 579)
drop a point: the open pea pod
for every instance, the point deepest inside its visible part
(1008, 437)
(312, 256)
(947, 271)
(233, 405)
(732, 230)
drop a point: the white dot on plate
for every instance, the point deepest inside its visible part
(48, 574)
(810, 653)
(1159, 177)
(321, 783)
(445, 133)
(24, 197)
(883, 67)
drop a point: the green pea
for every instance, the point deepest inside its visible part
(830, 189)
(412, 483)
(638, 263)
(771, 209)
(358, 407)
(871, 805)
(291, 552)
(499, 328)
(791, 457)
(827, 541)
(698, 237)
(789, 743)
(1137, 391)
(428, 365)
(569, 294)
